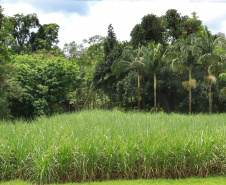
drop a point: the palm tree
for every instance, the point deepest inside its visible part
(153, 60)
(182, 56)
(129, 60)
(208, 43)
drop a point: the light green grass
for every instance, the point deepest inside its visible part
(189, 181)
(99, 145)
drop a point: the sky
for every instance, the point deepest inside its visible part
(82, 19)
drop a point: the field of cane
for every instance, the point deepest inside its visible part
(100, 145)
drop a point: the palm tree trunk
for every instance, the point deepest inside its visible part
(190, 90)
(77, 105)
(105, 104)
(210, 99)
(102, 102)
(138, 91)
(93, 102)
(155, 92)
(143, 91)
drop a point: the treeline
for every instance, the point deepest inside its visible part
(172, 63)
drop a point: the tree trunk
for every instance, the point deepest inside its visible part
(210, 98)
(143, 91)
(189, 90)
(131, 101)
(155, 92)
(138, 91)
(102, 102)
(105, 105)
(77, 105)
(93, 102)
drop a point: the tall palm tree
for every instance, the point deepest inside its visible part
(153, 60)
(183, 55)
(207, 44)
(130, 60)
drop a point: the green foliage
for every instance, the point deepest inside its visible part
(103, 78)
(46, 37)
(72, 50)
(46, 81)
(223, 76)
(189, 84)
(150, 29)
(173, 24)
(26, 41)
(22, 25)
(103, 145)
(5, 68)
(191, 25)
(108, 68)
(4, 107)
(110, 41)
(137, 36)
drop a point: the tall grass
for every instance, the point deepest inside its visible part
(98, 145)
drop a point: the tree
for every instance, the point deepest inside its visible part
(137, 36)
(191, 25)
(182, 56)
(150, 29)
(180, 26)
(208, 43)
(223, 78)
(22, 25)
(86, 59)
(5, 28)
(103, 78)
(73, 50)
(153, 61)
(174, 22)
(46, 37)
(130, 60)
(46, 81)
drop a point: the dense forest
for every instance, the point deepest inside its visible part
(171, 64)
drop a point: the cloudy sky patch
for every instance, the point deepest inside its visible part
(80, 7)
(80, 20)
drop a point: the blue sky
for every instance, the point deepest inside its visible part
(82, 19)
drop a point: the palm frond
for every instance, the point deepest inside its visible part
(209, 79)
(120, 66)
(189, 84)
(223, 91)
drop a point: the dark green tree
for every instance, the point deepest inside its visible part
(191, 25)
(184, 55)
(46, 37)
(5, 28)
(210, 57)
(103, 78)
(151, 28)
(130, 60)
(46, 81)
(137, 36)
(153, 60)
(173, 24)
(22, 25)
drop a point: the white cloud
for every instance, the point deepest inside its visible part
(18, 8)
